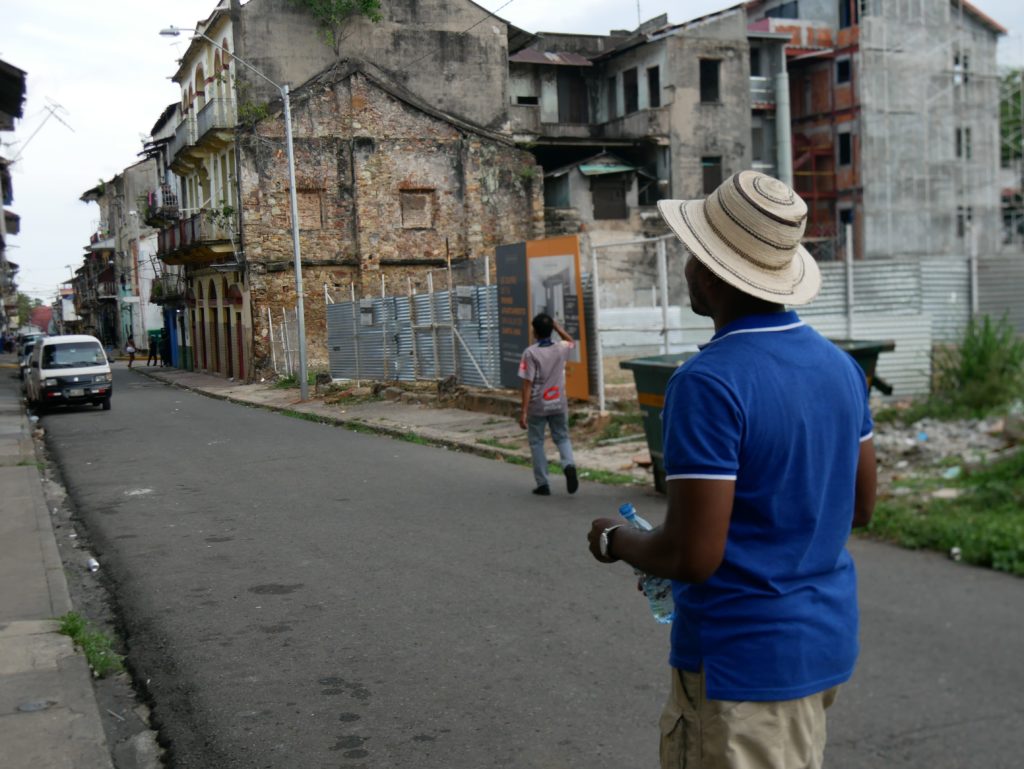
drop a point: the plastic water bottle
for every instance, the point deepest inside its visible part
(657, 589)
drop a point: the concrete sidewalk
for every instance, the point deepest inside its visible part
(48, 712)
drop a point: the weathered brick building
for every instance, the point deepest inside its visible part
(398, 166)
(387, 186)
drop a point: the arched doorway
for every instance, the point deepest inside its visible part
(227, 311)
(214, 329)
(199, 327)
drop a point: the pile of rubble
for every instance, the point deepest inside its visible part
(931, 448)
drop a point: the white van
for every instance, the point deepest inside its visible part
(67, 370)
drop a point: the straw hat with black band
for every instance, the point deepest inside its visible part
(747, 232)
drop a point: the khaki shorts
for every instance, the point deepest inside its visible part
(698, 733)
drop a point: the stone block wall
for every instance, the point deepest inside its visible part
(386, 187)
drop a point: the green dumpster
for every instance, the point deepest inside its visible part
(652, 373)
(866, 354)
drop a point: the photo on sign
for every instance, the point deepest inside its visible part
(553, 290)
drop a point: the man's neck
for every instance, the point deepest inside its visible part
(733, 312)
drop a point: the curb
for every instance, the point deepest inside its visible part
(58, 721)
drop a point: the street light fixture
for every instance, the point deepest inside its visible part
(297, 257)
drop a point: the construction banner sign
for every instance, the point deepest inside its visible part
(534, 277)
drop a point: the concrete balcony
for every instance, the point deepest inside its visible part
(184, 138)
(215, 123)
(638, 125)
(168, 288)
(198, 239)
(762, 93)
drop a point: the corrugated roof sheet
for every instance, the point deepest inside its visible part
(558, 58)
(596, 170)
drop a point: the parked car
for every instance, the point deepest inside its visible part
(67, 370)
(24, 359)
(24, 339)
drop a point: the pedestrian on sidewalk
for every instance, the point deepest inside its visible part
(129, 348)
(544, 402)
(769, 461)
(153, 359)
(165, 348)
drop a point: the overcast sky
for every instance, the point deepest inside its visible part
(105, 71)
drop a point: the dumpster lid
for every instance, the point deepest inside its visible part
(671, 361)
(864, 345)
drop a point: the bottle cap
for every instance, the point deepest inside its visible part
(627, 510)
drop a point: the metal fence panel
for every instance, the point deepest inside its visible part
(1001, 288)
(406, 338)
(908, 367)
(946, 296)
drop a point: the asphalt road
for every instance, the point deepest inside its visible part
(299, 595)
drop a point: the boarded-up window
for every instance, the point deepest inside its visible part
(653, 87)
(310, 211)
(630, 92)
(417, 208)
(609, 193)
(573, 106)
(709, 80)
(712, 168)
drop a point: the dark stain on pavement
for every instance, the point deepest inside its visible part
(275, 589)
(219, 539)
(127, 536)
(424, 738)
(348, 742)
(336, 686)
(279, 628)
(347, 717)
(356, 754)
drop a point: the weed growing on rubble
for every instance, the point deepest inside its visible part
(96, 646)
(982, 373)
(986, 522)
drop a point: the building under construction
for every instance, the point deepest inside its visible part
(894, 115)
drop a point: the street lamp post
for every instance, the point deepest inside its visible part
(293, 200)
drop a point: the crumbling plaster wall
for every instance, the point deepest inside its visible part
(438, 49)
(720, 129)
(362, 158)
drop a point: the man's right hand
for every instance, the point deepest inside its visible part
(522, 421)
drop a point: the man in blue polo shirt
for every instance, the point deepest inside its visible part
(769, 462)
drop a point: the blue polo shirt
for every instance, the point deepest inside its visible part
(776, 407)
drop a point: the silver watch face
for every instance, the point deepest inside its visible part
(604, 544)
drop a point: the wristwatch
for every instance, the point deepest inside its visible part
(605, 541)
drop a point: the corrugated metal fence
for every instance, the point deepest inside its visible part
(914, 302)
(405, 338)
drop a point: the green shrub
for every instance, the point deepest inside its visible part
(982, 373)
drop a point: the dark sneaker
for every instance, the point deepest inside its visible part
(544, 491)
(571, 481)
